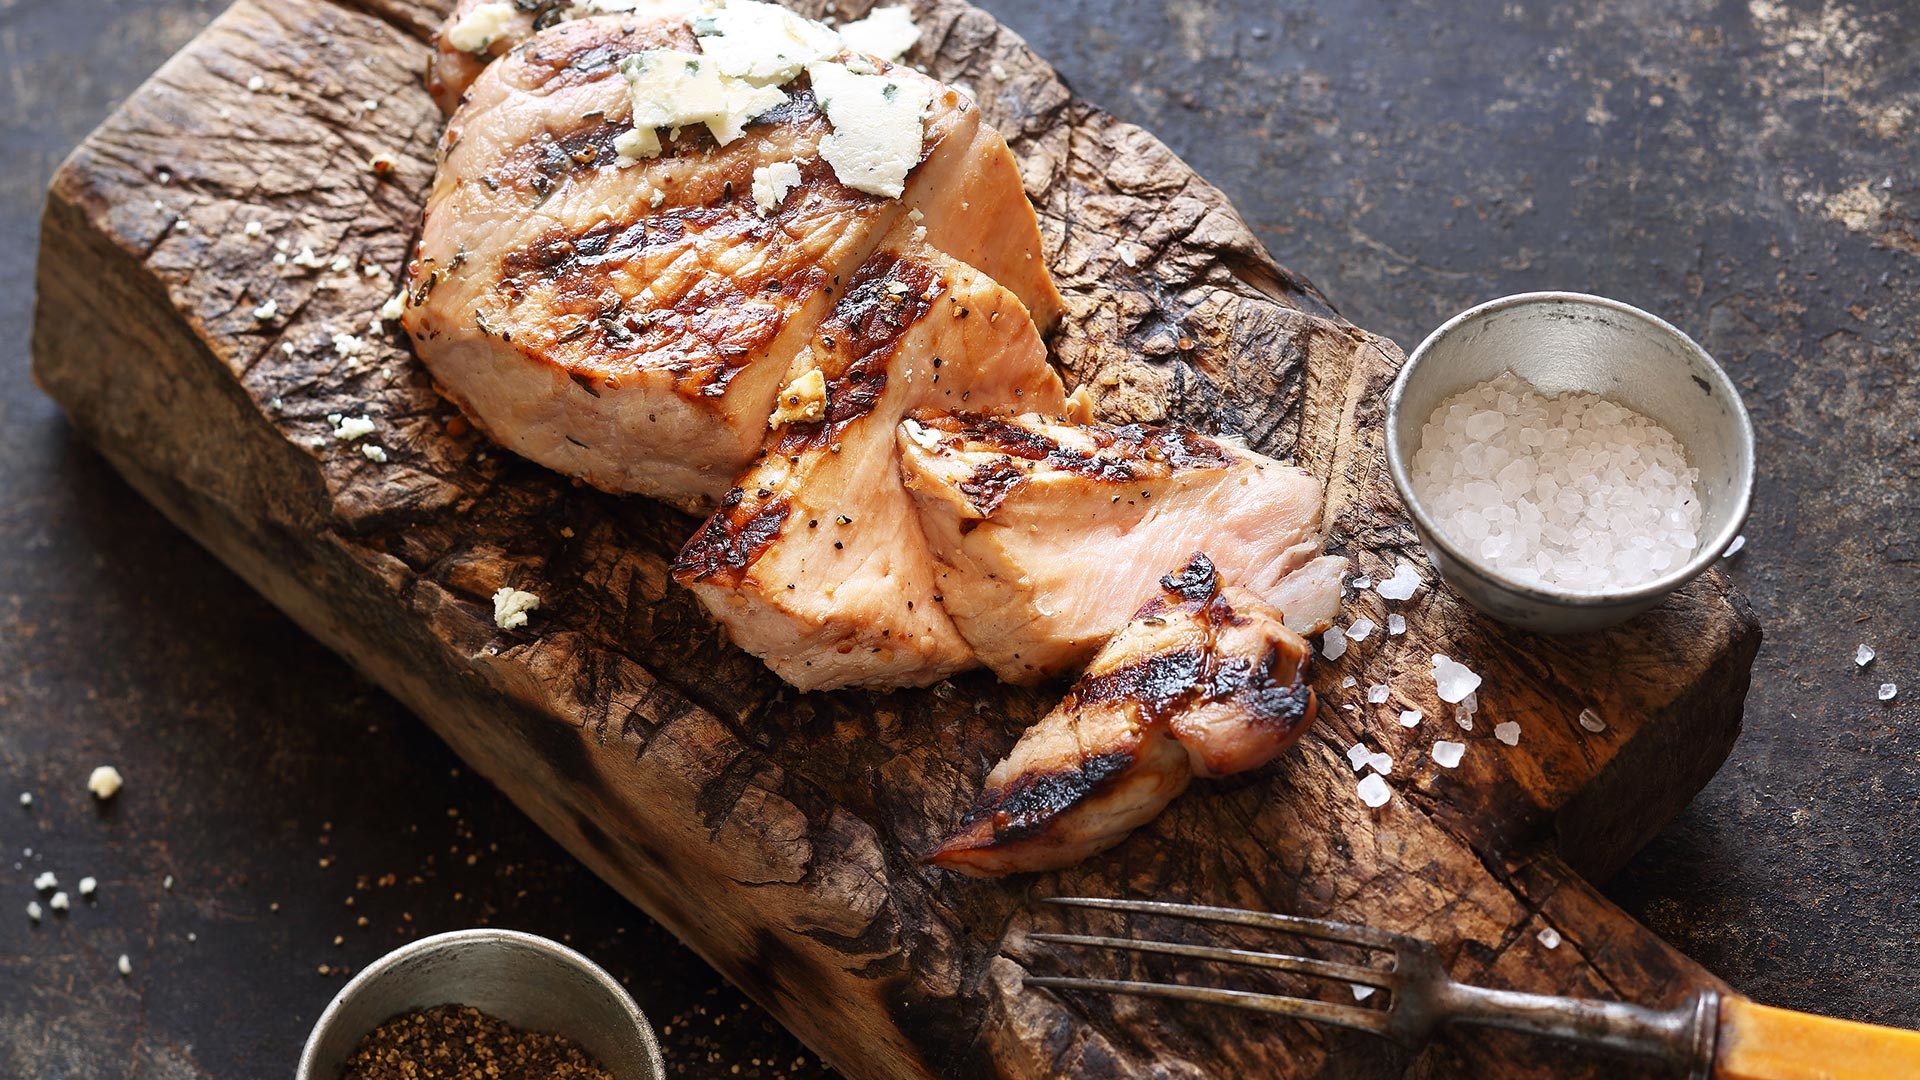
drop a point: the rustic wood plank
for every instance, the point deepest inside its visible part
(779, 834)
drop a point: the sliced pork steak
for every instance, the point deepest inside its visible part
(1049, 534)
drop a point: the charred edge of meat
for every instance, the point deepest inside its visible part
(1033, 801)
(732, 539)
(1122, 455)
(1197, 581)
(1271, 697)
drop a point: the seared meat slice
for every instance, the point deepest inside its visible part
(1205, 681)
(1048, 534)
(629, 322)
(815, 561)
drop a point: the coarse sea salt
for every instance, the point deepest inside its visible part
(1363, 582)
(1550, 938)
(1359, 629)
(1377, 693)
(1333, 643)
(1374, 791)
(1887, 691)
(1380, 763)
(1572, 492)
(1409, 717)
(1402, 585)
(1863, 655)
(1447, 753)
(1357, 756)
(1453, 679)
(1591, 721)
(1507, 732)
(1396, 625)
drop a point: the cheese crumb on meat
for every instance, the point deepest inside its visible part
(479, 28)
(804, 401)
(771, 184)
(877, 123)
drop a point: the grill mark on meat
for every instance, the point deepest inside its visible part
(591, 50)
(1196, 581)
(1029, 805)
(732, 538)
(1272, 692)
(856, 341)
(1122, 455)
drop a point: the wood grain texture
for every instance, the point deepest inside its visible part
(779, 834)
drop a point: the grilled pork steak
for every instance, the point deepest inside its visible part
(629, 321)
(1048, 534)
(1206, 680)
(815, 561)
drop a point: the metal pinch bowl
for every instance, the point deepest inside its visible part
(527, 981)
(1563, 342)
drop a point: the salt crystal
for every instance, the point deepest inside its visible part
(1349, 682)
(1863, 655)
(1446, 754)
(1333, 643)
(1363, 582)
(1734, 548)
(1573, 492)
(1396, 625)
(1591, 721)
(1357, 756)
(1409, 717)
(1453, 680)
(45, 881)
(1374, 791)
(87, 886)
(1380, 763)
(1550, 938)
(59, 902)
(1887, 690)
(1361, 993)
(33, 910)
(1507, 732)
(1377, 693)
(1360, 629)
(1402, 585)
(167, 883)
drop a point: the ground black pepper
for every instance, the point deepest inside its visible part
(458, 1042)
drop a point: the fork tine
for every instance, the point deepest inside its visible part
(1345, 933)
(1371, 1020)
(1325, 969)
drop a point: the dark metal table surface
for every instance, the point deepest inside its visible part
(1746, 169)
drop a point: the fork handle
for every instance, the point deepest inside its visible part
(1762, 1043)
(1682, 1036)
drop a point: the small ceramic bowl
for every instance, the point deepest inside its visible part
(1563, 342)
(527, 981)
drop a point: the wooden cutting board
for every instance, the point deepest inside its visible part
(776, 833)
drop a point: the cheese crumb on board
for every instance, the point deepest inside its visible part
(887, 33)
(374, 453)
(510, 607)
(877, 126)
(59, 902)
(26, 798)
(125, 965)
(45, 881)
(33, 910)
(88, 885)
(266, 311)
(349, 428)
(104, 782)
(771, 184)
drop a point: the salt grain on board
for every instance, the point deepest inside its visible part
(1396, 625)
(1550, 938)
(1333, 643)
(1446, 753)
(1863, 655)
(1357, 756)
(1377, 693)
(1452, 679)
(1380, 763)
(1887, 690)
(1374, 791)
(1402, 585)
(1360, 629)
(1361, 993)
(1507, 732)
(1591, 721)
(1349, 683)
(1363, 582)
(1409, 717)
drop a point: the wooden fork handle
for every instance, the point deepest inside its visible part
(1761, 1043)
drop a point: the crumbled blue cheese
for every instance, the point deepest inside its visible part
(253, 230)
(33, 910)
(104, 782)
(59, 902)
(926, 437)
(395, 307)
(307, 259)
(125, 966)
(349, 428)
(510, 607)
(256, 84)
(886, 33)
(374, 453)
(46, 881)
(265, 312)
(771, 184)
(479, 28)
(346, 345)
(676, 89)
(877, 126)
(764, 44)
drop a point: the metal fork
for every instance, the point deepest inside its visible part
(1421, 996)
